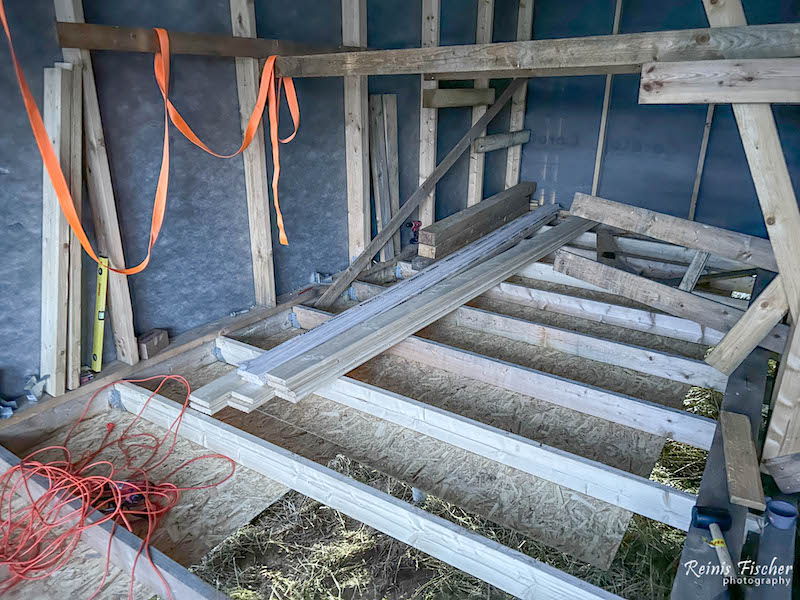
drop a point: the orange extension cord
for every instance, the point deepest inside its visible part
(36, 540)
(268, 93)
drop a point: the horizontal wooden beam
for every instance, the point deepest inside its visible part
(498, 141)
(721, 82)
(455, 97)
(153, 568)
(143, 39)
(617, 487)
(494, 563)
(662, 297)
(571, 56)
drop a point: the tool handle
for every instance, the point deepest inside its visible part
(721, 547)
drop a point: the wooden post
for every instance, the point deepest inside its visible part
(55, 235)
(601, 138)
(356, 132)
(518, 102)
(380, 170)
(101, 194)
(428, 116)
(243, 23)
(393, 159)
(483, 35)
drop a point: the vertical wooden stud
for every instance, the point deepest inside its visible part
(428, 116)
(518, 102)
(393, 159)
(380, 170)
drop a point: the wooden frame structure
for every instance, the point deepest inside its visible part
(741, 338)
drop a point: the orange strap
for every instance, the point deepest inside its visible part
(269, 91)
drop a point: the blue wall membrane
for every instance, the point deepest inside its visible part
(21, 193)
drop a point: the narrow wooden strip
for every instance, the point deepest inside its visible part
(392, 160)
(764, 314)
(676, 302)
(741, 462)
(507, 569)
(721, 82)
(344, 281)
(455, 97)
(729, 244)
(380, 170)
(701, 161)
(498, 141)
(694, 271)
(101, 194)
(122, 547)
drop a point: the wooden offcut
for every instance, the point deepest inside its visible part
(694, 271)
(741, 462)
(498, 141)
(448, 235)
(152, 342)
(456, 97)
(721, 82)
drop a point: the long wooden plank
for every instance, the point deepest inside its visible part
(715, 240)
(243, 23)
(783, 433)
(143, 39)
(380, 170)
(570, 56)
(456, 97)
(516, 119)
(457, 230)
(721, 82)
(297, 377)
(358, 265)
(618, 408)
(75, 283)
(356, 134)
(393, 160)
(475, 170)
(498, 141)
(101, 194)
(428, 117)
(122, 547)
(662, 297)
(55, 236)
(741, 462)
(763, 315)
(601, 136)
(507, 569)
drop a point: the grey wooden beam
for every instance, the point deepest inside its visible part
(497, 141)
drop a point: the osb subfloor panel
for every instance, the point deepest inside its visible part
(201, 520)
(579, 525)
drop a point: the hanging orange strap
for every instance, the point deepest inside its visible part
(269, 91)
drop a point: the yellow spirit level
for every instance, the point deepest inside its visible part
(99, 314)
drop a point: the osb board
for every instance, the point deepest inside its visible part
(577, 368)
(201, 520)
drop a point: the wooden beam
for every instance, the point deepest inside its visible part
(101, 194)
(601, 137)
(558, 57)
(518, 103)
(123, 547)
(721, 82)
(694, 271)
(356, 134)
(428, 117)
(393, 160)
(448, 235)
(243, 23)
(618, 408)
(143, 39)
(380, 170)
(701, 161)
(456, 97)
(74, 277)
(55, 235)
(500, 566)
(741, 462)
(483, 35)
(722, 242)
(662, 297)
(489, 143)
(344, 281)
(764, 314)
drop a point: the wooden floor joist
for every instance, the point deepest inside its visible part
(631, 412)
(709, 313)
(498, 565)
(644, 497)
(346, 278)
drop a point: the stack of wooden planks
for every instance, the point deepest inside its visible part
(295, 368)
(448, 235)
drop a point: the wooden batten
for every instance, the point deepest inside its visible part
(498, 141)
(390, 126)
(456, 97)
(694, 271)
(516, 119)
(380, 171)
